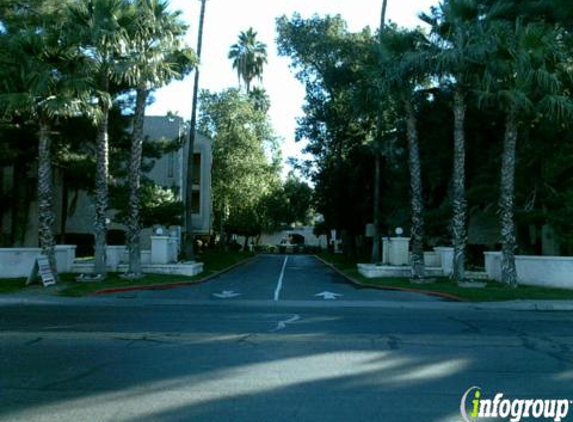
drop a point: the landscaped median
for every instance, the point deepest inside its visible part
(492, 292)
(214, 263)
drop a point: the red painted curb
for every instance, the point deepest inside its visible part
(394, 288)
(168, 286)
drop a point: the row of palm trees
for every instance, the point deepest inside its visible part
(516, 63)
(74, 60)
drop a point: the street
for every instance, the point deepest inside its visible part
(258, 344)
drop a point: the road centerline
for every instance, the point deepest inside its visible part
(280, 282)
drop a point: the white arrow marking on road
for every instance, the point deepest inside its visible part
(282, 324)
(226, 294)
(328, 295)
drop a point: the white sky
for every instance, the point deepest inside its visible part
(225, 19)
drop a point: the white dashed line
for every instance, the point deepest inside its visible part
(280, 283)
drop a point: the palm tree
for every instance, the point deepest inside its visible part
(42, 81)
(376, 249)
(460, 52)
(249, 56)
(101, 28)
(189, 244)
(260, 99)
(404, 75)
(522, 76)
(158, 55)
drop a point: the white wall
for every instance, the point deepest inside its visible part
(18, 262)
(543, 271)
(274, 239)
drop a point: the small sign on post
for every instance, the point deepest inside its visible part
(42, 266)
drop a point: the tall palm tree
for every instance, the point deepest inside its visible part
(249, 56)
(461, 51)
(101, 26)
(404, 75)
(158, 55)
(189, 242)
(522, 76)
(376, 247)
(42, 80)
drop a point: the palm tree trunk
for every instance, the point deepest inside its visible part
(46, 214)
(506, 201)
(101, 186)
(189, 244)
(134, 221)
(65, 205)
(376, 247)
(376, 253)
(3, 209)
(20, 204)
(459, 218)
(416, 199)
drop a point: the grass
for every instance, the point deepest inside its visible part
(11, 285)
(493, 292)
(213, 262)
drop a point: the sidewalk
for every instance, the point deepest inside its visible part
(131, 299)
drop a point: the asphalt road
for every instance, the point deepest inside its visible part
(257, 359)
(279, 278)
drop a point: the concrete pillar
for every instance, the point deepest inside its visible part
(114, 256)
(386, 250)
(446, 259)
(160, 249)
(398, 250)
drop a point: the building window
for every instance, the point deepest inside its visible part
(171, 164)
(195, 202)
(197, 169)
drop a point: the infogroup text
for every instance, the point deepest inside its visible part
(474, 407)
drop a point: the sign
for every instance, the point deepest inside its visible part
(42, 266)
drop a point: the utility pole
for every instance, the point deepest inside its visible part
(189, 240)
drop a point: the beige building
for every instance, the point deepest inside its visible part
(169, 171)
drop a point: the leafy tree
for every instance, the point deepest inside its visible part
(249, 56)
(299, 197)
(330, 63)
(242, 173)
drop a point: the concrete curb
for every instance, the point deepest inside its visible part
(171, 285)
(393, 288)
(110, 301)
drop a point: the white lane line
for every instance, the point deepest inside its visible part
(280, 283)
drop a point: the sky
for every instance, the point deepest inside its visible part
(225, 19)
